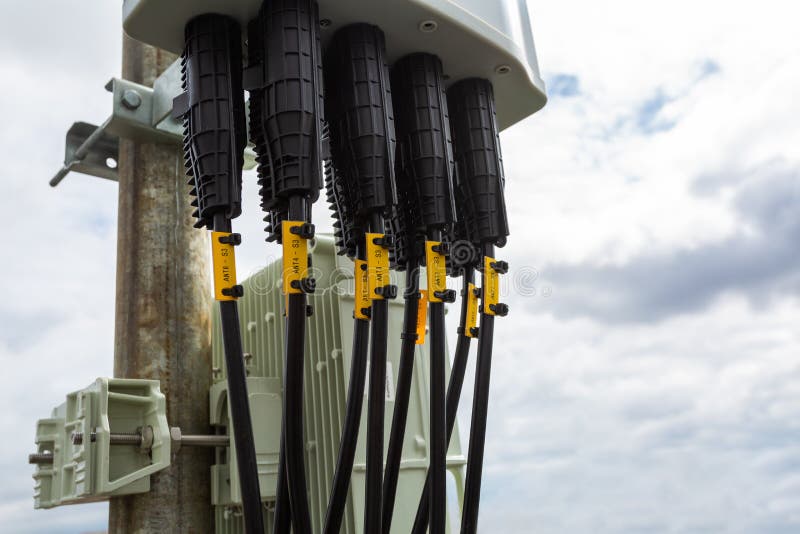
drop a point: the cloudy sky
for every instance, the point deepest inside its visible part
(648, 378)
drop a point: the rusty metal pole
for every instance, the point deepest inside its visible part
(163, 315)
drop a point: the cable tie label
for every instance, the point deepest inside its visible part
(377, 266)
(295, 258)
(436, 269)
(224, 265)
(472, 311)
(362, 300)
(491, 286)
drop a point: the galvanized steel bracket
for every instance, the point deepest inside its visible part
(139, 113)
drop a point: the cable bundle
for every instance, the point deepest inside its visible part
(284, 77)
(425, 171)
(481, 183)
(361, 182)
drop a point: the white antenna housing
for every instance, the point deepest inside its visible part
(489, 39)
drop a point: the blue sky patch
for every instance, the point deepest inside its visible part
(563, 85)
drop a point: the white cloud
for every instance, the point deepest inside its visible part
(679, 426)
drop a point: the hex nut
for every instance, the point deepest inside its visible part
(131, 99)
(175, 436)
(148, 437)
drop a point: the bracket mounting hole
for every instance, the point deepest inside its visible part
(428, 26)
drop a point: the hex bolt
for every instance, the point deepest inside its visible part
(116, 438)
(131, 99)
(126, 439)
(40, 458)
(179, 439)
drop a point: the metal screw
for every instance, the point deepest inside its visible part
(325, 23)
(116, 438)
(502, 69)
(40, 458)
(127, 438)
(131, 99)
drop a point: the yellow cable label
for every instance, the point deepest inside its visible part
(377, 266)
(491, 286)
(472, 311)
(295, 257)
(362, 300)
(436, 265)
(422, 317)
(224, 263)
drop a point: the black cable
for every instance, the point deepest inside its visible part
(350, 428)
(283, 516)
(282, 523)
(457, 373)
(460, 358)
(405, 374)
(240, 407)
(240, 415)
(438, 439)
(296, 313)
(480, 408)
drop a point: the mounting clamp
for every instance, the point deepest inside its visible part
(138, 112)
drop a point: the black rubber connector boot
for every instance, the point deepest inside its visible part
(360, 116)
(275, 208)
(348, 229)
(479, 163)
(284, 78)
(212, 108)
(423, 134)
(360, 181)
